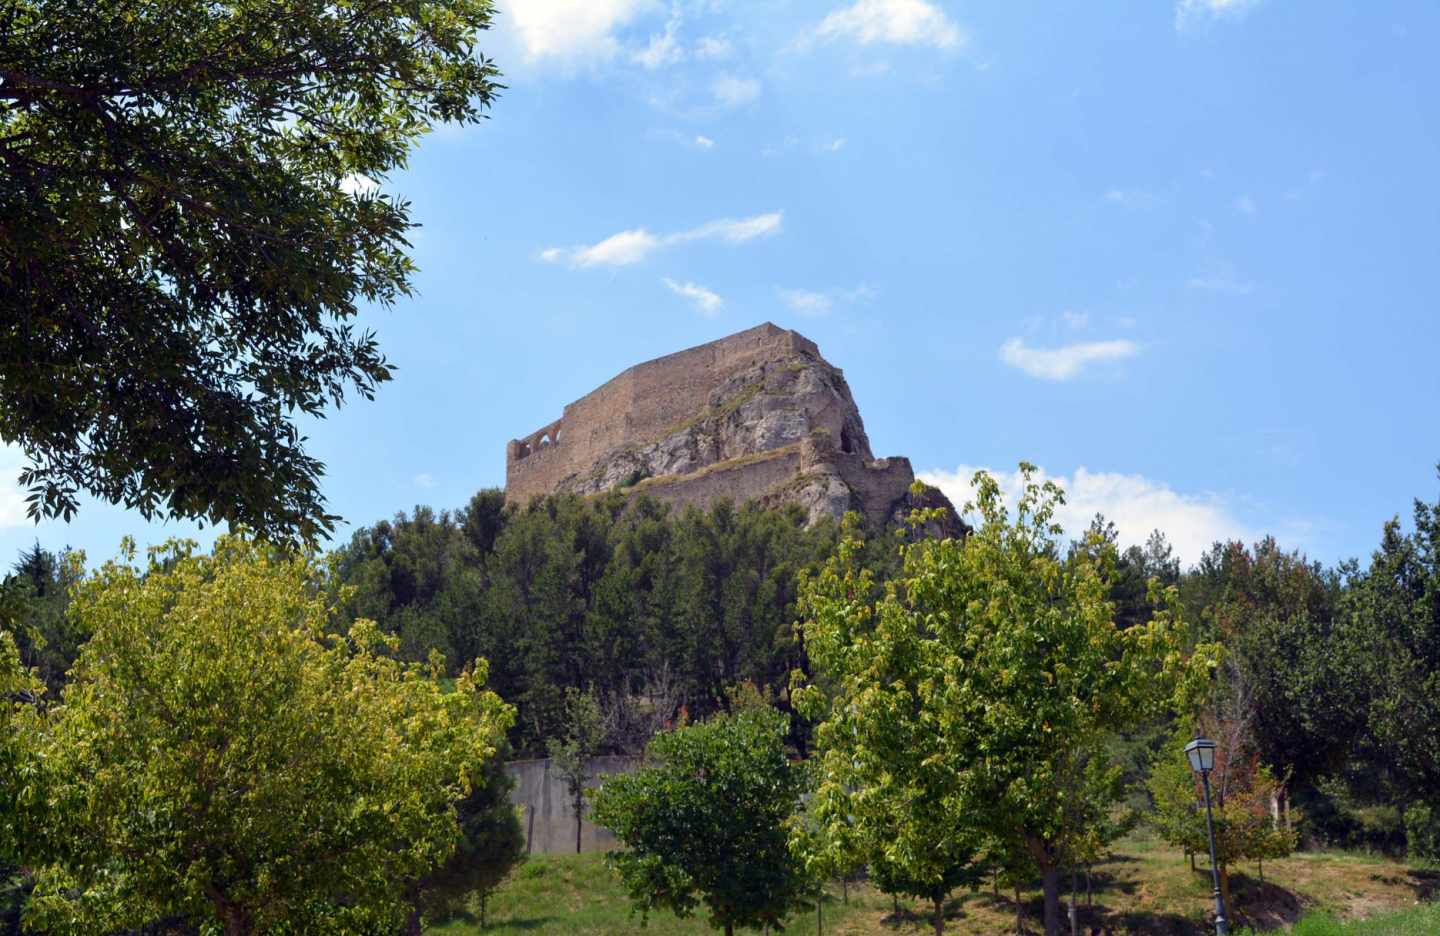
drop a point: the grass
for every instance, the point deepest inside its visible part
(578, 895)
(1145, 889)
(1417, 921)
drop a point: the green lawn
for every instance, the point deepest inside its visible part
(1417, 921)
(1144, 889)
(577, 894)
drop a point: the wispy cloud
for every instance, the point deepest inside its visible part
(424, 481)
(807, 303)
(632, 246)
(704, 142)
(1130, 197)
(663, 50)
(706, 302)
(732, 91)
(1137, 505)
(1192, 13)
(1076, 320)
(813, 303)
(1067, 361)
(893, 22)
(1246, 205)
(1223, 280)
(713, 48)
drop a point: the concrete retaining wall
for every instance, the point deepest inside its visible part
(547, 816)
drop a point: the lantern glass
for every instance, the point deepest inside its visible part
(1201, 752)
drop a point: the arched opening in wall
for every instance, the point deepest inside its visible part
(847, 444)
(544, 439)
(557, 435)
(522, 450)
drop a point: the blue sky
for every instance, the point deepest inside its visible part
(1181, 255)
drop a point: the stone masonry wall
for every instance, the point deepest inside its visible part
(636, 407)
(737, 481)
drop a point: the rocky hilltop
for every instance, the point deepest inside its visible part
(759, 415)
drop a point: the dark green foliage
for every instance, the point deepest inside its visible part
(37, 594)
(492, 842)
(606, 595)
(180, 261)
(705, 824)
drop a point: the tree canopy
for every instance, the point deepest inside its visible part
(983, 678)
(218, 758)
(706, 824)
(183, 247)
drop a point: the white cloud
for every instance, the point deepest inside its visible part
(735, 92)
(572, 31)
(621, 249)
(1196, 12)
(733, 230)
(707, 302)
(834, 146)
(356, 183)
(897, 22)
(424, 480)
(704, 142)
(1064, 362)
(713, 48)
(632, 246)
(12, 495)
(807, 303)
(1246, 205)
(1137, 505)
(664, 48)
(1076, 320)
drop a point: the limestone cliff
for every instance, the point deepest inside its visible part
(758, 415)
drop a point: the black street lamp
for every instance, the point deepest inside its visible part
(1201, 752)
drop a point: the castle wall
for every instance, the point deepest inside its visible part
(638, 406)
(739, 480)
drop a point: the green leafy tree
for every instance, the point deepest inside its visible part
(49, 639)
(572, 756)
(997, 664)
(183, 247)
(218, 759)
(492, 842)
(706, 822)
(1241, 790)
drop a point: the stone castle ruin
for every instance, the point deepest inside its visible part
(759, 415)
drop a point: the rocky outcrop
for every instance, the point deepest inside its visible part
(756, 416)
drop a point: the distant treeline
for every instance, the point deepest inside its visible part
(1331, 676)
(620, 598)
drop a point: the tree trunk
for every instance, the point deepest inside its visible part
(995, 880)
(1192, 860)
(1019, 913)
(1089, 889)
(729, 928)
(236, 921)
(940, 915)
(1225, 891)
(412, 922)
(845, 888)
(579, 808)
(484, 905)
(1050, 879)
(1074, 914)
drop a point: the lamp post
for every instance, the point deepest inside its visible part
(1201, 753)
